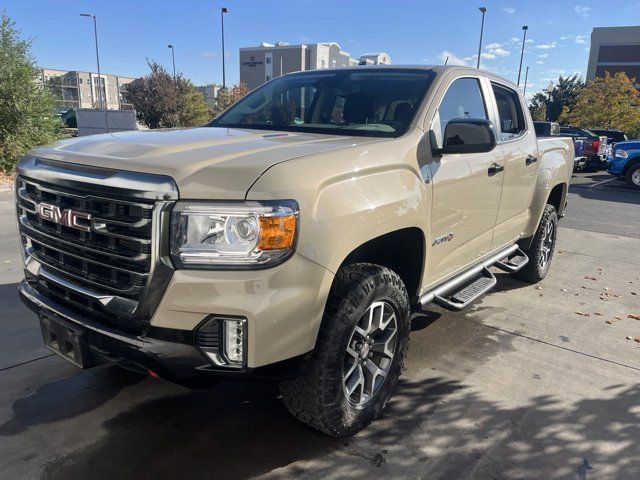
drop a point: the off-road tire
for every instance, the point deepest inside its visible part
(630, 173)
(532, 272)
(317, 396)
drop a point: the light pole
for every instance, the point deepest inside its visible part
(524, 38)
(483, 10)
(526, 76)
(173, 57)
(550, 89)
(95, 32)
(223, 10)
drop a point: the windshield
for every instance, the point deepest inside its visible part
(378, 103)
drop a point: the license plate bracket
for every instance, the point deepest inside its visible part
(67, 341)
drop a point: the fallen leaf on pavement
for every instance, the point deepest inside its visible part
(610, 322)
(584, 314)
(597, 313)
(628, 337)
(584, 286)
(538, 288)
(564, 290)
(634, 316)
(633, 293)
(591, 278)
(637, 339)
(617, 318)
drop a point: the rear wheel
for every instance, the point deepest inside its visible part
(359, 354)
(542, 247)
(633, 176)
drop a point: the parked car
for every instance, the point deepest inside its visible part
(595, 146)
(624, 162)
(292, 237)
(613, 136)
(552, 129)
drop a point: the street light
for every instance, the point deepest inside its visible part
(173, 57)
(550, 88)
(524, 38)
(526, 76)
(223, 10)
(95, 32)
(483, 10)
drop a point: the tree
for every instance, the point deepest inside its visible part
(609, 102)
(226, 97)
(162, 102)
(26, 119)
(564, 94)
(194, 112)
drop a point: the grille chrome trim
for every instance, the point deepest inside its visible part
(117, 271)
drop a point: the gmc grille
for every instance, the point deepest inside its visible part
(104, 273)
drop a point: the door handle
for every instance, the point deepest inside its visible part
(494, 169)
(530, 159)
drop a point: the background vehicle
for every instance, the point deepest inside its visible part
(595, 146)
(624, 162)
(292, 237)
(550, 129)
(613, 136)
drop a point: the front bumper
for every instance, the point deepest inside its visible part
(169, 353)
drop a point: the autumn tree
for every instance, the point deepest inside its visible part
(26, 107)
(609, 102)
(564, 94)
(227, 97)
(161, 101)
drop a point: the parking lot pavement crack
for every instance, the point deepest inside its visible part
(560, 347)
(627, 262)
(26, 362)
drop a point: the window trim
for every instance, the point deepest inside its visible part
(483, 94)
(496, 121)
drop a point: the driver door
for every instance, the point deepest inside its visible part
(466, 188)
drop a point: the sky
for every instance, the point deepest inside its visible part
(410, 31)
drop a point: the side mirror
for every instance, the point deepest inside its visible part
(466, 135)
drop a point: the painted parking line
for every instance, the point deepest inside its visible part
(602, 182)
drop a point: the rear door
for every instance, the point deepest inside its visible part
(519, 156)
(466, 193)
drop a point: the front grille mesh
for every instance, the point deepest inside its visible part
(114, 258)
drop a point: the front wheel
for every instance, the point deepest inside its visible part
(633, 176)
(359, 353)
(543, 245)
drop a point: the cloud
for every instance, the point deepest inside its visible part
(491, 46)
(209, 55)
(582, 10)
(509, 10)
(453, 58)
(540, 62)
(581, 39)
(547, 46)
(543, 55)
(514, 40)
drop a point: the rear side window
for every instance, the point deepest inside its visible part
(510, 112)
(463, 100)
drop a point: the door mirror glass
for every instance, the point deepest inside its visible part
(466, 135)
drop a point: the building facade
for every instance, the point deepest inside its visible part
(76, 89)
(613, 50)
(210, 93)
(267, 61)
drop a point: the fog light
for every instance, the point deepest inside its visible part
(234, 340)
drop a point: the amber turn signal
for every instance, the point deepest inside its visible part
(277, 233)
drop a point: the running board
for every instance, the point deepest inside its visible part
(460, 291)
(513, 262)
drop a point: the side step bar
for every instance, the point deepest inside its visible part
(513, 262)
(461, 291)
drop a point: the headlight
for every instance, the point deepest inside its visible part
(233, 235)
(620, 154)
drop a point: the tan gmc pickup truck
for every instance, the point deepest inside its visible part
(291, 238)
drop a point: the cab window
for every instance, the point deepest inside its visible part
(463, 100)
(510, 112)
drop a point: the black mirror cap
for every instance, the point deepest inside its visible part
(468, 135)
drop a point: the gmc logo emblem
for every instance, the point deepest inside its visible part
(68, 217)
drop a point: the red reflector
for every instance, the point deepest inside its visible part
(596, 145)
(153, 374)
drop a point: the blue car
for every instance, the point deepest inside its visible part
(624, 161)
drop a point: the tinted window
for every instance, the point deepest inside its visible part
(509, 112)
(462, 100)
(363, 102)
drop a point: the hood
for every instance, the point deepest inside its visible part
(628, 145)
(206, 163)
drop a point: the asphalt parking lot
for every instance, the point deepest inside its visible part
(532, 382)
